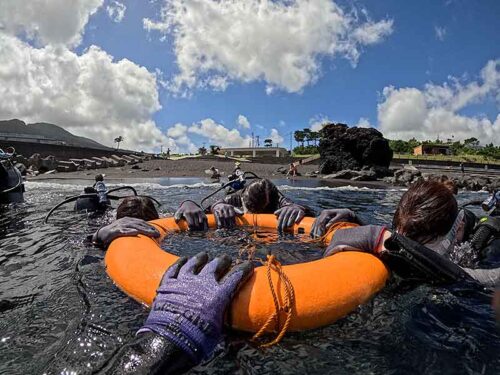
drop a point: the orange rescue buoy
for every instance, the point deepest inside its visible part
(325, 289)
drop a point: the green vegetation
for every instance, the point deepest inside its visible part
(306, 136)
(467, 151)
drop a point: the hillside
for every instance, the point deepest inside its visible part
(49, 131)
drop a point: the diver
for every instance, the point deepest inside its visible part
(187, 317)
(430, 235)
(11, 182)
(236, 179)
(259, 197)
(94, 198)
(215, 174)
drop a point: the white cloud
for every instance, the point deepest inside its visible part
(440, 33)
(218, 134)
(47, 22)
(363, 123)
(317, 122)
(276, 137)
(435, 110)
(278, 42)
(116, 11)
(243, 122)
(90, 95)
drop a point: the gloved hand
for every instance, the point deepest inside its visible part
(329, 217)
(194, 215)
(124, 227)
(289, 215)
(366, 238)
(225, 214)
(190, 302)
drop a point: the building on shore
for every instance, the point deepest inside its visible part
(432, 149)
(255, 152)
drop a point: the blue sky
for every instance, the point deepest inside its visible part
(447, 44)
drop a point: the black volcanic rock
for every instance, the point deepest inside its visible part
(354, 148)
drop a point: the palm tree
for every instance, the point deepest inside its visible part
(118, 140)
(299, 137)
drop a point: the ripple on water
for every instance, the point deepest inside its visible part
(59, 310)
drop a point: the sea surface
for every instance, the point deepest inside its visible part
(61, 314)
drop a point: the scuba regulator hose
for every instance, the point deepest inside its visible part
(94, 195)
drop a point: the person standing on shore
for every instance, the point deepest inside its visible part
(462, 168)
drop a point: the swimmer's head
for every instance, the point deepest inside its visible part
(137, 207)
(261, 196)
(99, 177)
(426, 211)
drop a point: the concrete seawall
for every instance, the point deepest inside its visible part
(61, 152)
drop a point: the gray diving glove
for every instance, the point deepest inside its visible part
(124, 227)
(225, 214)
(329, 217)
(193, 214)
(289, 215)
(366, 238)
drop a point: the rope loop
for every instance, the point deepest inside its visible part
(287, 308)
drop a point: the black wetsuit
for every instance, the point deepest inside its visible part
(148, 353)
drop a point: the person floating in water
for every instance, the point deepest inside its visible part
(427, 224)
(259, 197)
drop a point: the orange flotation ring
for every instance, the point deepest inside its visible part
(325, 289)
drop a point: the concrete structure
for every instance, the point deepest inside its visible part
(255, 151)
(432, 149)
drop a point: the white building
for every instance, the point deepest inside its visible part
(278, 152)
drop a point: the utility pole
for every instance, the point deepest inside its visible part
(258, 140)
(291, 138)
(251, 145)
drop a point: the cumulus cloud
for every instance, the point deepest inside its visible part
(116, 11)
(90, 94)
(243, 122)
(47, 22)
(218, 134)
(317, 122)
(280, 43)
(435, 110)
(276, 137)
(363, 123)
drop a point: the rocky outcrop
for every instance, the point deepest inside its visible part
(344, 148)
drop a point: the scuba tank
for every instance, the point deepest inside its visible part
(11, 181)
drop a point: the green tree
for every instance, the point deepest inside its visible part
(214, 150)
(202, 151)
(118, 140)
(307, 135)
(268, 142)
(299, 137)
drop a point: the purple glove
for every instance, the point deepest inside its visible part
(329, 217)
(289, 215)
(225, 214)
(194, 215)
(190, 302)
(124, 227)
(366, 238)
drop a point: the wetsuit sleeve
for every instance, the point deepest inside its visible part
(487, 277)
(148, 353)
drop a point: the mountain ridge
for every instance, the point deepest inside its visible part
(49, 131)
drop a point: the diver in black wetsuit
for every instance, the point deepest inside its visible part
(186, 320)
(260, 196)
(11, 181)
(429, 238)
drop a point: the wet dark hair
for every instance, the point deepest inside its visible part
(261, 196)
(138, 207)
(426, 211)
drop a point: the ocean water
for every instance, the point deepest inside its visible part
(60, 313)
